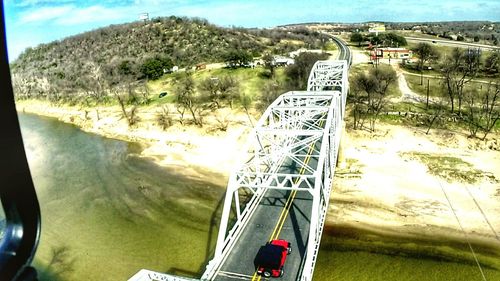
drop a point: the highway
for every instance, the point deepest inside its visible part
(344, 51)
(451, 43)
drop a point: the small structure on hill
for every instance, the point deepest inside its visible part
(376, 28)
(282, 61)
(200, 66)
(390, 53)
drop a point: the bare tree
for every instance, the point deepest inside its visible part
(120, 91)
(164, 118)
(370, 94)
(229, 88)
(246, 103)
(457, 71)
(210, 87)
(425, 53)
(483, 110)
(436, 110)
(491, 107)
(271, 90)
(188, 99)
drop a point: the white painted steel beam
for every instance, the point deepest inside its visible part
(296, 126)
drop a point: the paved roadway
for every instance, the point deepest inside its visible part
(239, 264)
(451, 43)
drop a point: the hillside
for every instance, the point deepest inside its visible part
(99, 59)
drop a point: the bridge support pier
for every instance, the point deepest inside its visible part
(341, 163)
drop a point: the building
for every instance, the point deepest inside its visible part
(304, 50)
(390, 53)
(282, 61)
(376, 28)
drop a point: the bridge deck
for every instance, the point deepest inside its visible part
(239, 264)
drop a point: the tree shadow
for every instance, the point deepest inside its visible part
(60, 264)
(212, 232)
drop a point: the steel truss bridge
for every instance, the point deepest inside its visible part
(282, 187)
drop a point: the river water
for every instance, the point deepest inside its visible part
(107, 213)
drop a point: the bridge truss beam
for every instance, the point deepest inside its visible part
(330, 75)
(298, 125)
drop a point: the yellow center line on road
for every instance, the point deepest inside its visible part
(288, 204)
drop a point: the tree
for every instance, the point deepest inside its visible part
(370, 94)
(228, 89)
(483, 109)
(271, 90)
(298, 73)
(492, 62)
(153, 68)
(356, 37)
(389, 40)
(491, 107)
(186, 99)
(457, 71)
(246, 103)
(164, 117)
(393, 40)
(425, 53)
(269, 64)
(219, 90)
(237, 58)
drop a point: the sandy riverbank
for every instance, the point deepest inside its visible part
(191, 150)
(385, 185)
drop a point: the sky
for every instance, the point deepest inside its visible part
(31, 22)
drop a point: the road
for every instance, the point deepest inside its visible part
(450, 43)
(266, 224)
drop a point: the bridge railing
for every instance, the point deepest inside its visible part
(274, 139)
(293, 121)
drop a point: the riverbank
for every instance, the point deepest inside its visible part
(191, 150)
(398, 183)
(439, 190)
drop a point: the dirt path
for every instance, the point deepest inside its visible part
(407, 95)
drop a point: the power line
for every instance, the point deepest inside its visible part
(463, 231)
(482, 212)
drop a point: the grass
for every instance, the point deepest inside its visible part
(448, 167)
(250, 79)
(330, 46)
(435, 88)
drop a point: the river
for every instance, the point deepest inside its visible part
(107, 213)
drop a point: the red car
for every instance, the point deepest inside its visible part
(271, 258)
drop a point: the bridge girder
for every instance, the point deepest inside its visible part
(330, 75)
(296, 125)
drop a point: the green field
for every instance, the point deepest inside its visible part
(250, 81)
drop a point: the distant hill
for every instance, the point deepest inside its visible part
(119, 52)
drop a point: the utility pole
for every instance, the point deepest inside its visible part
(427, 103)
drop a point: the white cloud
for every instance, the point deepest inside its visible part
(91, 14)
(45, 14)
(71, 15)
(29, 3)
